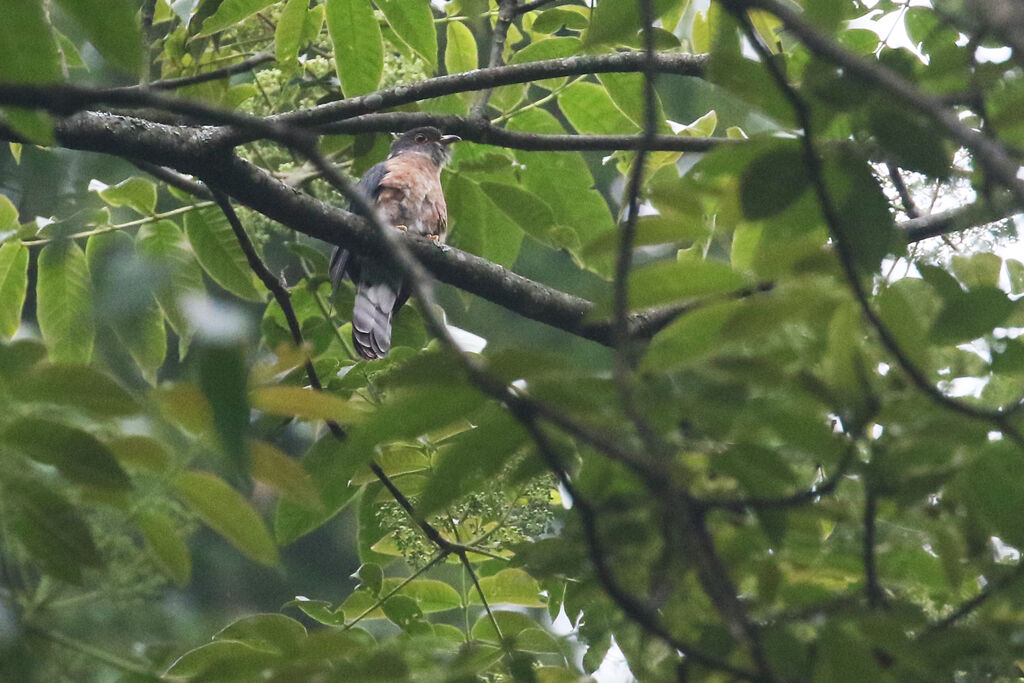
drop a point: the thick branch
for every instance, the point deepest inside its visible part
(188, 151)
(963, 218)
(619, 62)
(484, 132)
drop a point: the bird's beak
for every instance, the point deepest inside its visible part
(449, 139)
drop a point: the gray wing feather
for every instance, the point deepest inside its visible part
(377, 288)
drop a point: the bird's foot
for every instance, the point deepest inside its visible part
(432, 237)
(403, 228)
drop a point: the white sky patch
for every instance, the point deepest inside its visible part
(467, 341)
(614, 668)
(215, 321)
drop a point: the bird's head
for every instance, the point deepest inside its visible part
(426, 140)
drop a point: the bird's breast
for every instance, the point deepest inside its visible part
(410, 195)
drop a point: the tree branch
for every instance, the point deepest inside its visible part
(506, 13)
(619, 62)
(482, 131)
(247, 64)
(187, 151)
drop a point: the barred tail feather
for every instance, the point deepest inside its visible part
(371, 319)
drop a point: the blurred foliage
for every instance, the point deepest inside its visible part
(172, 507)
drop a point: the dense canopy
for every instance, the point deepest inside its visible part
(718, 377)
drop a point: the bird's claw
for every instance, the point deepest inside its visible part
(432, 237)
(403, 228)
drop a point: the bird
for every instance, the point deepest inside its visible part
(406, 190)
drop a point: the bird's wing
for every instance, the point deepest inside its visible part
(342, 263)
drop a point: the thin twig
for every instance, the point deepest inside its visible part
(247, 64)
(405, 582)
(804, 497)
(872, 588)
(174, 179)
(969, 606)
(506, 13)
(909, 207)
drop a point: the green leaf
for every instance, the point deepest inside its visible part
(412, 413)
(686, 278)
(136, 193)
(977, 269)
(549, 48)
(125, 301)
(563, 181)
(371, 577)
(64, 307)
(866, 226)
(480, 227)
(229, 514)
(773, 181)
(358, 45)
(430, 595)
(269, 632)
(402, 611)
(72, 58)
(112, 28)
(518, 629)
(223, 378)
(512, 586)
(217, 249)
(915, 142)
(972, 314)
(990, 487)
(552, 20)
(413, 22)
(627, 91)
(27, 44)
(689, 338)
(8, 213)
(165, 544)
(175, 272)
(140, 452)
(320, 610)
(306, 404)
(13, 285)
(231, 12)
(76, 386)
(288, 34)
(531, 213)
(612, 21)
(270, 466)
(460, 53)
(242, 659)
(332, 468)
(35, 126)
(590, 110)
(19, 355)
(49, 528)
(77, 454)
(617, 21)
(472, 459)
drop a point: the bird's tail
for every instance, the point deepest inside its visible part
(371, 319)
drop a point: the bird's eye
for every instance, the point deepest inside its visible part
(420, 138)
